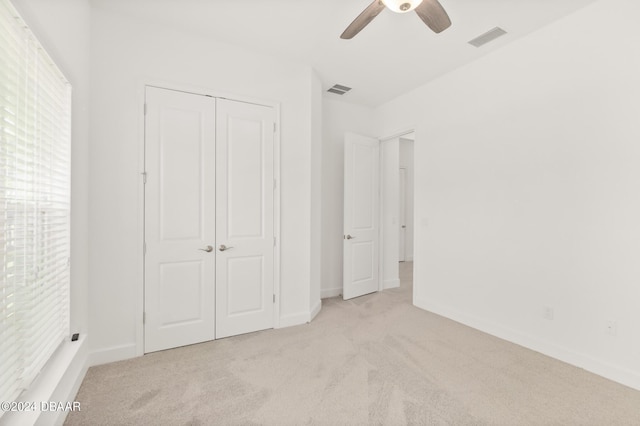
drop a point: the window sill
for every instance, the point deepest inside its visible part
(58, 382)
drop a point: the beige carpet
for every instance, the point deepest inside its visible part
(372, 360)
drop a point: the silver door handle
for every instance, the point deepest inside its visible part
(209, 249)
(404, 226)
(349, 237)
(223, 247)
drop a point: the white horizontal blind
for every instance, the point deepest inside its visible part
(35, 121)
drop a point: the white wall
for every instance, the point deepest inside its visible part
(406, 162)
(527, 193)
(338, 117)
(62, 27)
(126, 53)
(389, 209)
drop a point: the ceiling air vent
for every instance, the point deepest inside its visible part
(487, 37)
(339, 89)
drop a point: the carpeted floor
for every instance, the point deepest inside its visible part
(372, 360)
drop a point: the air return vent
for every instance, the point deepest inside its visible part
(487, 37)
(339, 89)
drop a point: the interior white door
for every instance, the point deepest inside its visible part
(402, 214)
(361, 215)
(244, 218)
(179, 219)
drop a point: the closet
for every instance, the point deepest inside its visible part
(209, 218)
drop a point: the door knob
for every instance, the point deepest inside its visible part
(209, 249)
(349, 237)
(223, 247)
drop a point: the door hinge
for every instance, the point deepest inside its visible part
(144, 317)
(274, 298)
(274, 241)
(144, 178)
(275, 183)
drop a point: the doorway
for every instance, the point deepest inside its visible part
(378, 226)
(209, 218)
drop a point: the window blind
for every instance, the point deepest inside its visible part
(35, 125)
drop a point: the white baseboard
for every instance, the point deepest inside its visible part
(58, 382)
(326, 293)
(294, 319)
(316, 310)
(113, 354)
(580, 360)
(387, 284)
(122, 352)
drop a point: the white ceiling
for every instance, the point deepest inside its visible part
(391, 56)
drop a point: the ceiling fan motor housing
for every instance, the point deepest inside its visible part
(402, 6)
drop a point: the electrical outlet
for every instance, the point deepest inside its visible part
(611, 327)
(548, 312)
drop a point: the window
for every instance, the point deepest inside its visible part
(35, 123)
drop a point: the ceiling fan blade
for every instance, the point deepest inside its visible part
(363, 19)
(434, 15)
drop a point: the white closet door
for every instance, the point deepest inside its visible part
(361, 215)
(179, 219)
(244, 218)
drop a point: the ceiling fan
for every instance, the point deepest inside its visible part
(430, 11)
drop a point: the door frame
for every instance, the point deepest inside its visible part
(141, 85)
(383, 257)
(402, 214)
(398, 135)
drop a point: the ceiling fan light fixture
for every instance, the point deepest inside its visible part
(430, 12)
(401, 6)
